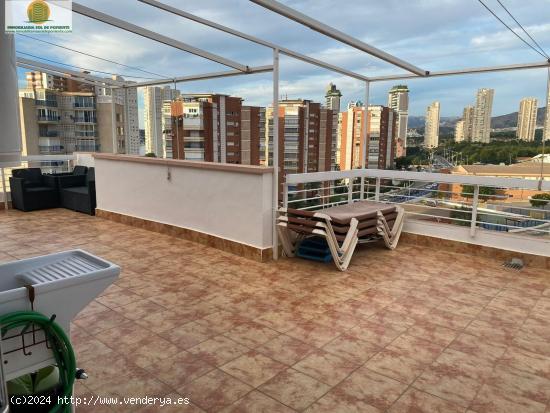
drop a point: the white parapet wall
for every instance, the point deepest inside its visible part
(231, 202)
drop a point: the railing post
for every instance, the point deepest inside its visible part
(276, 171)
(473, 224)
(377, 190)
(350, 190)
(4, 192)
(285, 195)
(365, 132)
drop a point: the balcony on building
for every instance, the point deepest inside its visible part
(48, 118)
(48, 103)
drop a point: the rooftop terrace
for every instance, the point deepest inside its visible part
(417, 327)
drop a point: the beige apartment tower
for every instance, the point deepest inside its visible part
(527, 119)
(431, 131)
(481, 131)
(468, 118)
(154, 98)
(459, 131)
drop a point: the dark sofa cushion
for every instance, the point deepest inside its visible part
(36, 189)
(77, 190)
(80, 170)
(32, 176)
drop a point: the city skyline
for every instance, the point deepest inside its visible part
(454, 40)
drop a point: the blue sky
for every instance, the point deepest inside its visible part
(432, 34)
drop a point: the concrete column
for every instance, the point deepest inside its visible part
(10, 133)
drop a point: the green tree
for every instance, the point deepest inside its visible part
(540, 200)
(484, 191)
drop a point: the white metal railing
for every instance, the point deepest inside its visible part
(487, 204)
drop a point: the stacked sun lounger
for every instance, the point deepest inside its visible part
(342, 226)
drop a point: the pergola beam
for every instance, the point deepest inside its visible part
(60, 71)
(204, 76)
(469, 71)
(253, 39)
(130, 27)
(335, 34)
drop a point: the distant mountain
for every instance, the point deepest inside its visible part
(511, 119)
(420, 121)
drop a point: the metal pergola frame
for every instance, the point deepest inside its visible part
(238, 68)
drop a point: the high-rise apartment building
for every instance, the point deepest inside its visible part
(208, 128)
(305, 136)
(468, 118)
(332, 97)
(127, 124)
(252, 135)
(154, 98)
(431, 130)
(41, 80)
(459, 131)
(527, 119)
(481, 130)
(332, 102)
(398, 100)
(62, 119)
(380, 137)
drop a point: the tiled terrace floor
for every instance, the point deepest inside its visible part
(413, 330)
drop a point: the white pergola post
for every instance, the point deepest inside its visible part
(275, 150)
(365, 140)
(113, 122)
(546, 129)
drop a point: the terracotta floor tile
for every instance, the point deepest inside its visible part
(524, 360)
(352, 348)
(313, 333)
(251, 334)
(397, 365)
(253, 368)
(118, 298)
(419, 402)
(371, 388)
(150, 350)
(326, 367)
(179, 309)
(222, 321)
(338, 402)
(378, 334)
(479, 348)
(455, 376)
(215, 390)
(96, 323)
(256, 402)
(286, 350)
(419, 349)
(433, 333)
(495, 400)
(218, 350)
(179, 369)
(188, 335)
(521, 383)
(160, 321)
(294, 389)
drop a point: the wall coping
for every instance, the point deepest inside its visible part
(179, 163)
